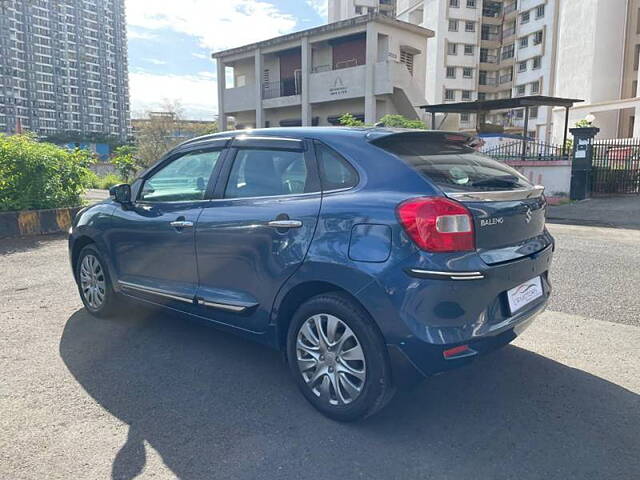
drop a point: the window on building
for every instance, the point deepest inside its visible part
(466, 94)
(535, 87)
(471, 3)
(467, 72)
(454, 3)
(469, 49)
(453, 25)
(522, 66)
(533, 112)
(469, 26)
(449, 94)
(452, 48)
(407, 59)
(634, 88)
(451, 72)
(524, 42)
(519, 114)
(464, 118)
(521, 90)
(482, 96)
(525, 17)
(540, 11)
(537, 37)
(636, 54)
(537, 62)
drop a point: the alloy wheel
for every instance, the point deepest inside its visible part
(92, 281)
(330, 359)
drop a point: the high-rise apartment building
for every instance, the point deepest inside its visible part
(488, 50)
(343, 9)
(598, 61)
(63, 67)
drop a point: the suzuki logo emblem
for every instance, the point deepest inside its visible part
(528, 215)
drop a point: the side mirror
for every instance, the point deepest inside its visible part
(121, 193)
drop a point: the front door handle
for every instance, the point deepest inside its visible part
(285, 223)
(181, 224)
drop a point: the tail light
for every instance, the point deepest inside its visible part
(437, 224)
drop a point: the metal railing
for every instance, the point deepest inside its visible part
(490, 36)
(287, 87)
(511, 7)
(533, 151)
(616, 166)
(489, 58)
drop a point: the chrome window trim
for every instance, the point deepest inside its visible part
(155, 291)
(243, 137)
(285, 195)
(446, 275)
(498, 195)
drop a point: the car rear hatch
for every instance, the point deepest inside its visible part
(508, 211)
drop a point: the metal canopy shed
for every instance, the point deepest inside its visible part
(482, 106)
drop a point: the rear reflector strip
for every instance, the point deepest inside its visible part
(458, 352)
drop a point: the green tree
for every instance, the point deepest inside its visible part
(348, 120)
(392, 121)
(37, 175)
(160, 131)
(398, 121)
(126, 161)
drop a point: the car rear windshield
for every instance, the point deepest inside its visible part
(451, 164)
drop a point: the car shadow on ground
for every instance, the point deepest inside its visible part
(9, 245)
(217, 406)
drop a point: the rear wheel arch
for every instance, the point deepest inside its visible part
(300, 294)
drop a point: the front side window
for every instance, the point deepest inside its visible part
(335, 172)
(267, 173)
(184, 179)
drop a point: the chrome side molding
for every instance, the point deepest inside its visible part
(221, 306)
(155, 291)
(229, 307)
(439, 275)
(499, 195)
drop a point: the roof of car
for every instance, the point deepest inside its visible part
(365, 133)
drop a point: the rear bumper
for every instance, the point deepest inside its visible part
(413, 361)
(421, 318)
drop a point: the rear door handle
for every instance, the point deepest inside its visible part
(285, 223)
(181, 224)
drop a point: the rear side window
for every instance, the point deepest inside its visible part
(335, 172)
(265, 173)
(452, 165)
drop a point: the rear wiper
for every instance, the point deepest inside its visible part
(501, 181)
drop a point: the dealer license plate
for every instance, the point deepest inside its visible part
(524, 294)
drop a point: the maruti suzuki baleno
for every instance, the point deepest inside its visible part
(371, 257)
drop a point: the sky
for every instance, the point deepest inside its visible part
(170, 45)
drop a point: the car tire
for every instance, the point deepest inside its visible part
(94, 283)
(338, 358)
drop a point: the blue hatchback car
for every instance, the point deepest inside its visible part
(372, 257)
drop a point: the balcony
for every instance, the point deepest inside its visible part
(285, 88)
(510, 8)
(493, 59)
(240, 98)
(490, 36)
(506, 78)
(492, 9)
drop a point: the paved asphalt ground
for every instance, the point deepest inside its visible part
(150, 396)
